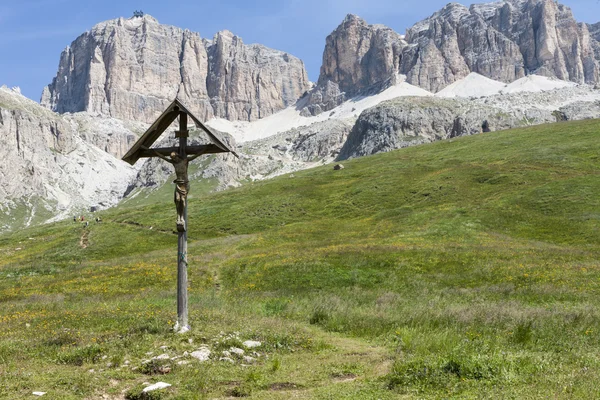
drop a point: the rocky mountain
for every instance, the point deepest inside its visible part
(401, 116)
(409, 121)
(594, 30)
(357, 57)
(504, 41)
(131, 69)
(47, 168)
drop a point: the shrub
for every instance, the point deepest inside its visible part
(81, 355)
(153, 367)
(319, 316)
(522, 332)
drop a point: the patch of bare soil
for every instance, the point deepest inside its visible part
(84, 242)
(341, 378)
(284, 386)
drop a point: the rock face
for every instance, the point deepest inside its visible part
(594, 30)
(454, 42)
(28, 133)
(503, 41)
(357, 57)
(113, 136)
(47, 170)
(580, 110)
(410, 121)
(132, 69)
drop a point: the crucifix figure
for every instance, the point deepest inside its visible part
(180, 157)
(182, 184)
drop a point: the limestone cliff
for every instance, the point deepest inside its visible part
(504, 41)
(357, 57)
(594, 30)
(132, 69)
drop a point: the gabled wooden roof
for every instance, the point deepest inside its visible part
(162, 123)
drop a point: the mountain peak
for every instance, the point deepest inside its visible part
(225, 33)
(131, 22)
(352, 17)
(101, 74)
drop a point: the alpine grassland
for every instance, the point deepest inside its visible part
(467, 268)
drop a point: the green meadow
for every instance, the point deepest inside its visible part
(463, 269)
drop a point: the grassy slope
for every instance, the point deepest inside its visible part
(465, 268)
(19, 216)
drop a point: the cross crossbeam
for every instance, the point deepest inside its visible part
(166, 151)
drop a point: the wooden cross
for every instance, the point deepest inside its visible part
(180, 157)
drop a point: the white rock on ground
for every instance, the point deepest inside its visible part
(250, 344)
(39, 393)
(237, 351)
(201, 355)
(156, 386)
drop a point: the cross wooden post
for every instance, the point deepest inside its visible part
(182, 325)
(180, 157)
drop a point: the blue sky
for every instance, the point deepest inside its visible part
(34, 32)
